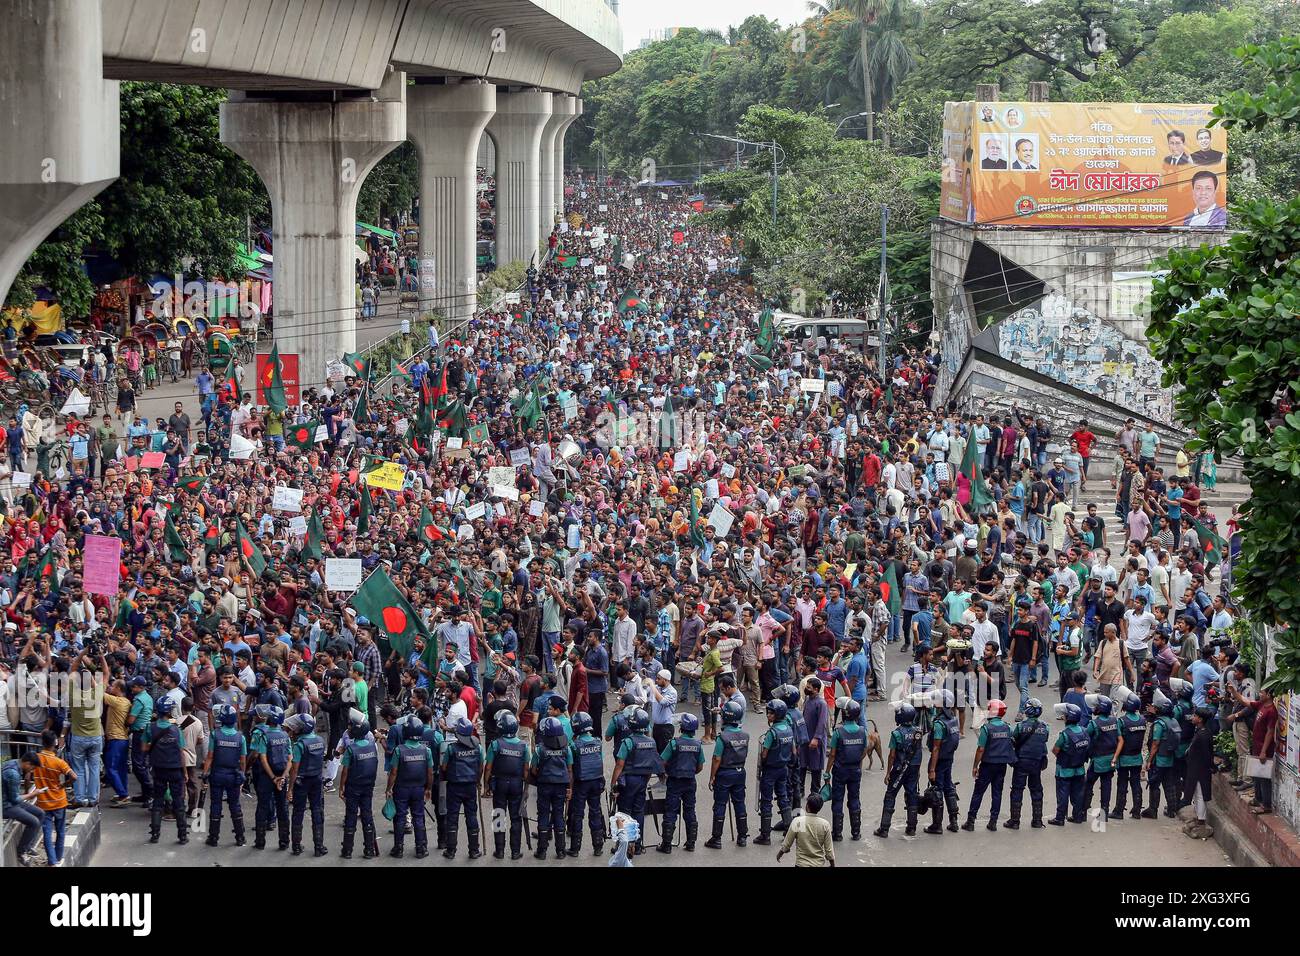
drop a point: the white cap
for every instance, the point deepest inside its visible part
(666, 674)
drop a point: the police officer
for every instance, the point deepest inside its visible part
(848, 748)
(432, 738)
(617, 729)
(945, 736)
(224, 770)
(635, 763)
(1160, 760)
(903, 770)
(588, 785)
(503, 778)
(305, 784)
(1103, 731)
(270, 746)
(994, 752)
(162, 744)
(683, 758)
(727, 775)
(1181, 691)
(357, 787)
(552, 771)
(1128, 754)
(792, 697)
(410, 783)
(1029, 738)
(775, 757)
(1072, 747)
(462, 765)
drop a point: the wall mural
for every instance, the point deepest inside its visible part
(1063, 341)
(954, 343)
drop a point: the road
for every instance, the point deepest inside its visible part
(1131, 842)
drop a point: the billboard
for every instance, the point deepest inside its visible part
(1067, 165)
(288, 376)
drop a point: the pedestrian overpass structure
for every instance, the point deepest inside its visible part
(321, 90)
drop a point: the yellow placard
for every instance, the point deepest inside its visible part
(388, 476)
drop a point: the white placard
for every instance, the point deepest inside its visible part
(586, 261)
(812, 385)
(455, 442)
(399, 427)
(322, 433)
(298, 525)
(573, 537)
(721, 519)
(503, 491)
(603, 208)
(629, 260)
(728, 470)
(681, 460)
(712, 265)
(241, 449)
(600, 270)
(536, 508)
(285, 498)
(465, 532)
(570, 409)
(711, 488)
(342, 574)
(663, 195)
(597, 242)
(502, 475)
(519, 457)
(476, 511)
(21, 479)
(335, 370)
(637, 201)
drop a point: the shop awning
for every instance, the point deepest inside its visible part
(386, 233)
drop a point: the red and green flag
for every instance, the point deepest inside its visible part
(47, 569)
(1211, 544)
(566, 260)
(212, 539)
(357, 364)
(478, 434)
(452, 419)
(272, 384)
(175, 544)
(192, 483)
(697, 533)
(302, 436)
(248, 550)
(363, 518)
(232, 382)
(396, 370)
(890, 591)
(429, 531)
(631, 301)
(383, 605)
(766, 340)
(980, 496)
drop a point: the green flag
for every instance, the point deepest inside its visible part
(357, 364)
(890, 591)
(1211, 544)
(478, 434)
(47, 569)
(452, 420)
(379, 600)
(980, 497)
(315, 535)
(361, 410)
(429, 531)
(272, 383)
(395, 370)
(211, 539)
(760, 362)
(697, 533)
(302, 436)
(530, 410)
(192, 483)
(248, 550)
(363, 519)
(670, 433)
(766, 340)
(630, 301)
(175, 545)
(566, 261)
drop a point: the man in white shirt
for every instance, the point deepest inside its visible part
(1138, 626)
(624, 638)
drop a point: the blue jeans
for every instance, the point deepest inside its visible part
(115, 755)
(55, 822)
(86, 754)
(32, 818)
(1021, 673)
(1034, 525)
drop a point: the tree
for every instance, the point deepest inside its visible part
(1223, 322)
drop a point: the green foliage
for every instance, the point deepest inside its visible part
(1286, 658)
(391, 187)
(1224, 326)
(506, 277)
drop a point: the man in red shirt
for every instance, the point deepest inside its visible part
(1263, 740)
(579, 700)
(1084, 439)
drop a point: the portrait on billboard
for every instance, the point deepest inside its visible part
(993, 151)
(1024, 148)
(1206, 211)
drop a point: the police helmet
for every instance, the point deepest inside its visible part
(1182, 689)
(638, 721)
(275, 716)
(308, 723)
(357, 720)
(947, 699)
(1072, 713)
(790, 694)
(852, 710)
(689, 723)
(776, 709)
(551, 730)
(1098, 703)
(842, 702)
(1163, 705)
(997, 707)
(904, 715)
(412, 728)
(508, 725)
(1129, 701)
(165, 706)
(1033, 707)
(227, 716)
(262, 712)
(464, 731)
(732, 713)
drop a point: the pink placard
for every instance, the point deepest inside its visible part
(152, 459)
(103, 564)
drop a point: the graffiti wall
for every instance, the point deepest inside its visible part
(1071, 345)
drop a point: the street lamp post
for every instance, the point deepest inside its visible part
(852, 117)
(778, 157)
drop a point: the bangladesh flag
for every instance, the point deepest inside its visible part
(361, 410)
(1211, 544)
(232, 382)
(363, 519)
(430, 532)
(315, 535)
(302, 436)
(175, 545)
(248, 550)
(766, 340)
(272, 384)
(452, 420)
(566, 261)
(980, 498)
(212, 539)
(193, 484)
(760, 362)
(890, 592)
(670, 433)
(395, 370)
(630, 301)
(478, 434)
(697, 533)
(47, 569)
(379, 600)
(530, 410)
(356, 364)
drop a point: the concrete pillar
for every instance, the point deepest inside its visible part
(313, 155)
(573, 109)
(446, 122)
(60, 139)
(516, 128)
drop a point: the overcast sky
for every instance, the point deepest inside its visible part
(639, 17)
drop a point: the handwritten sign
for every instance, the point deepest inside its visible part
(298, 525)
(102, 564)
(536, 508)
(681, 460)
(502, 491)
(388, 476)
(285, 498)
(721, 519)
(342, 574)
(519, 457)
(476, 511)
(812, 385)
(502, 475)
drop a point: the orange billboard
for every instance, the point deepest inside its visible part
(1122, 165)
